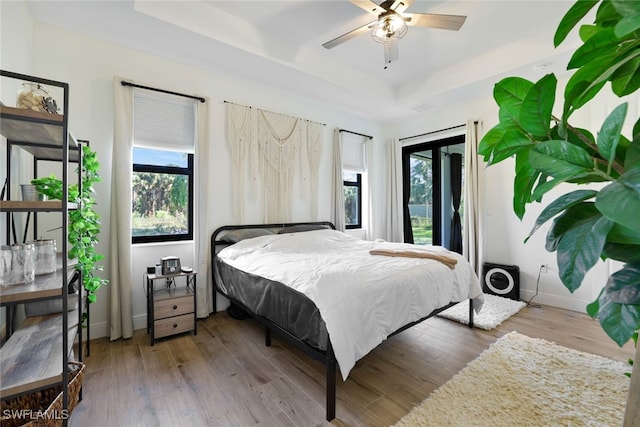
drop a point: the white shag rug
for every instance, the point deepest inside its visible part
(495, 310)
(523, 381)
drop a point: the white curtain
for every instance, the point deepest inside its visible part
(278, 154)
(394, 230)
(472, 234)
(121, 318)
(202, 208)
(241, 141)
(337, 201)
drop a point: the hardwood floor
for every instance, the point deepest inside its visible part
(225, 376)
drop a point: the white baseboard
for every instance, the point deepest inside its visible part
(100, 330)
(555, 301)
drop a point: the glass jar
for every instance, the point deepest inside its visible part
(45, 256)
(32, 96)
(17, 264)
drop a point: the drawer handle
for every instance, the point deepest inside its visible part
(175, 307)
(175, 325)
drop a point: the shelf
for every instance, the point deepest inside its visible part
(20, 125)
(32, 357)
(42, 287)
(21, 206)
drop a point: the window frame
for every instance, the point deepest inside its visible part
(171, 170)
(357, 184)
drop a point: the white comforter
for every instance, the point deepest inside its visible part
(362, 297)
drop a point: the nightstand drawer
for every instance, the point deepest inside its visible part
(173, 325)
(173, 307)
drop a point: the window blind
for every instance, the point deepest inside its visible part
(353, 152)
(163, 122)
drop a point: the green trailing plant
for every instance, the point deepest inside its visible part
(587, 224)
(84, 223)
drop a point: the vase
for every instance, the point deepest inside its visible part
(34, 96)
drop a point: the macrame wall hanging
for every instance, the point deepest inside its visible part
(276, 155)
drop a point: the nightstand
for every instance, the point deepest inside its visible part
(171, 305)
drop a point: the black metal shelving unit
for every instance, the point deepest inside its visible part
(36, 354)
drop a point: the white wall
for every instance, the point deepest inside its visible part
(89, 65)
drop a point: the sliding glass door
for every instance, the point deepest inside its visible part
(432, 189)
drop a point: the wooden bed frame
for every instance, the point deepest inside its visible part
(327, 356)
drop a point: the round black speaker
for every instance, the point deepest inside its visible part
(501, 280)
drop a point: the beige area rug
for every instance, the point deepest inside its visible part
(523, 381)
(495, 310)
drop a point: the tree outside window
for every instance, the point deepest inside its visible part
(352, 185)
(162, 197)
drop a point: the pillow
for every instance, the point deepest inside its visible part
(234, 236)
(302, 227)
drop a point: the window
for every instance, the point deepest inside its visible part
(163, 159)
(352, 182)
(429, 190)
(162, 196)
(354, 167)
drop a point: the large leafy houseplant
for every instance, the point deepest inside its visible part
(588, 224)
(84, 223)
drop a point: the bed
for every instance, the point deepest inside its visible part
(332, 295)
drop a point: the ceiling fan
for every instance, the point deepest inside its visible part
(391, 24)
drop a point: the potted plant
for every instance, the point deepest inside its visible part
(588, 224)
(84, 223)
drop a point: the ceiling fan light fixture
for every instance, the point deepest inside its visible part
(388, 27)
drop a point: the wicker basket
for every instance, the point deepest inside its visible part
(44, 408)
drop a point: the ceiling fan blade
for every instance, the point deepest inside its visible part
(401, 5)
(390, 51)
(348, 36)
(369, 6)
(431, 20)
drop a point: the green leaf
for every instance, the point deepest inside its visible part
(579, 249)
(592, 77)
(588, 31)
(626, 8)
(622, 234)
(507, 119)
(574, 15)
(511, 91)
(509, 94)
(573, 214)
(523, 183)
(607, 15)
(537, 106)
(602, 43)
(626, 79)
(559, 205)
(632, 158)
(581, 87)
(621, 252)
(594, 307)
(619, 321)
(498, 144)
(560, 159)
(623, 286)
(620, 200)
(489, 140)
(609, 134)
(630, 11)
(512, 142)
(544, 187)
